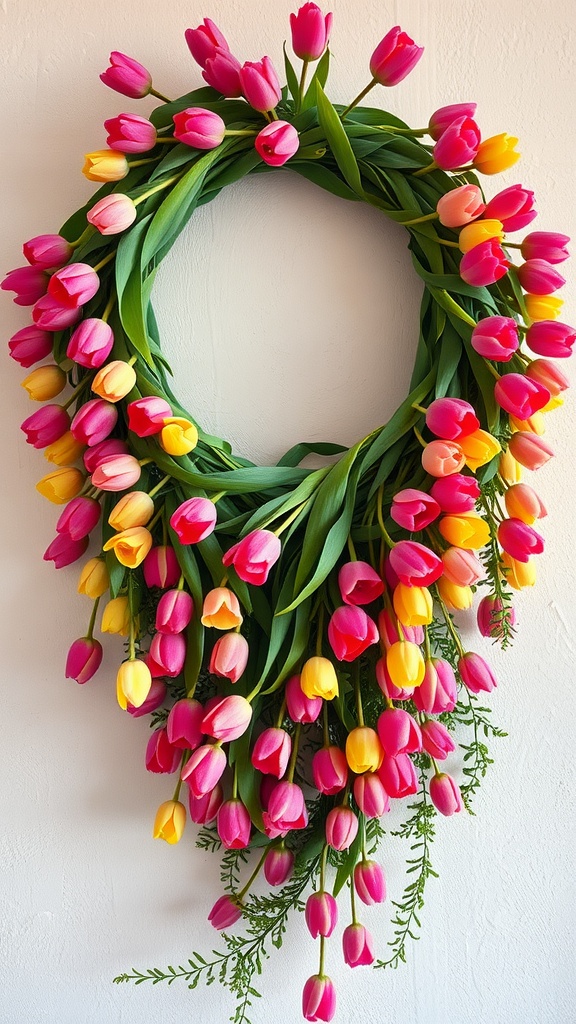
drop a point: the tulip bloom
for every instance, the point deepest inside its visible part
(398, 776)
(414, 510)
(30, 345)
(94, 421)
(61, 485)
(286, 810)
(341, 828)
(271, 752)
(162, 758)
(388, 688)
(519, 540)
(350, 632)
(146, 415)
(133, 683)
(438, 691)
(156, 697)
(129, 133)
(458, 144)
(174, 611)
(113, 214)
(484, 264)
(413, 605)
(114, 380)
(460, 206)
(518, 574)
(399, 732)
(514, 207)
(394, 57)
(520, 396)
(319, 679)
(199, 128)
(405, 664)
(260, 85)
(127, 76)
(168, 652)
(529, 450)
(183, 726)
(170, 821)
(476, 673)
(178, 436)
(539, 277)
(359, 583)
(133, 509)
(370, 795)
(544, 245)
(105, 165)
(83, 660)
(357, 946)
(203, 810)
(221, 72)
(442, 118)
(47, 251)
(456, 493)
(436, 740)
(310, 32)
(277, 143)
(234, 825)
(300, 707)
(330, 770)
(496, 154)
(94, 580)
(456, 597)
(442, 458)
(538, 307)
(224, 913)
(523, 503)
(278, 865)
(64, 451)
(319, 998)
(364, 752)
(254, 556)
(74, 285)
(194, 520)
(204, 769)
(451, 418)
(161, 568)
(415, 564)
(116, 473)
(79, 518)
(445, 794)
(461, 567)
(228, 718)
(369, 882)
(496, 337)
(480, 231)
(29, 284)
(204, 41)
(130, 546)
(44, 383)
(493, 618)
(547, 338)
(91, 343)
(116, 616)
(101, 452)
(465, 531)
(46, 425)
(479, 448)
(221, 609)
(321, 914)
(229, 657)
(50, 315)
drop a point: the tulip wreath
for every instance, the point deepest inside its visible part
(289, 631)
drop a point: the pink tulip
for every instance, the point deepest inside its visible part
(229, 657)
(551, 338)
(234, 825)
(184, 722)
(156, 697)
(442, 458)
(286, 810)
(341, 828)
(413, 509)
(462, 567)
(267, 787)
(519, 539)
(438, 692)
(442, 118)
(79, 517)
(228, 719)
(458, 144)
(129, 133)
(399, 733)
(451, 418)
(394, 57)
(161, 567)
(224, 913)
(476, 674)
(496, 337)
(112, 215)
(520, 396)
(545, 245)
(369, 882)
(199, 128)
(370, 795)
(203, 810)
(310, 32)
(492, 617)
(162, 757)
(47, 251)
(254, 556)
(350, 632)
(174, 611)
(300, 707)
(445, 794)
(94, 421)
(222, 72)
(548, 374)
(194, 520)
(460, 206)
(83, 660)
(63, 550)
(319, 998)
(50, 315)
(530, 450)
(484, 264)
(91, 343)
(146, 415)
(414, 564)
(204, 41)
(357, 946)
(30, 345)
(539, 278)
(168, 651)
(74, 285)
(277, 142)
(398, 776)
(46, 425)
(514, 207)
(330, 770)
(271, 752)
(359, 583)
(260, 85)
(116, 473)
(278, 865)
(436, 740)
(321, 914)
(29, 284)
(127, 76)
(204, 769)
(388, 688)
(94, 457)
(456, 493)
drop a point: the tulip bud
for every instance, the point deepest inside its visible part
(161, 567)
(204, 769)
(94, 580)
(79, 518)
(494, 620)
(114, 381)
(286, 810)
(398, 776)
(174, 611)
(228, 719)
(74, 285)
(168, 652)
(405, 664)
(203, 810)
(162, 757)
(445, 794)
(224, 913)
(523, 503)
(436, 740)
(480, 231)
(146, 415)
(116, 616)
(221, 609)
(442, 458)
(547, 338)
(485, 264)
(438, 691)
(204, 41)
(254, 556)
(370, 795)
(357, 946)
(278, 865)
(442, 118)
(350, 632)
(415, 564)
(260, 85)
(271, 752)
(319, 998)
(529, 450)
(476, 674)
(127, 76)
(222, 72)
(183, 726)
(133, 683)
(413, 605)
(117, 473)
(94, 421)
(310, 32)
(105, 165)
(91, 343)
(202, 129)
(451, 418)
(330, 770)
(47, 251)
(234, 825)
(369, 882)
(359, 583)
(45, 382)
(319, 679)
(170, 821)
(321, 914)
(461, 567)
(30, 345)
(414, 510)
(519, 539)
(178, 436)
(496, 337)
(29, 284)
(399, 733)
(133, 509)
(457, 145)
(300, 707)
(388, 688)
(465, 531)
(129, 133)
(61, 485)
(156, 697)
(539, 277)
(46, 425)
(341, 828)
(456, 493)
(276, 143)
(518, 574)
(83, 660)
(496, 154)
(538, 307)
(394, 57)
(112, 214)
(363, 750)
(63, 550)
(50, 315)
(514, 206)
(460, 206)
(130, 546)
(194, 520)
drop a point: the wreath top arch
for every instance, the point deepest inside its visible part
(290, 631)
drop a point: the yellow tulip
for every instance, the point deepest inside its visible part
(319, 679)
(133, 683)
(364, 752)
(130, 546)
(61, 485)
(465, 531)
(133, 509)
(413, 605)
(178, 436)
(519, 574)
(479, 448)
(221, 609)
(457, 598)
(45, 382)
(105, 165)
(65, 450)
(509, 468)
(496, 154)
(94, 579)
(535, 424)
(116, 617)
(405, 664)
(114, 381)
(170, 821)
(480, 231)
(543, 307)
(556, 401)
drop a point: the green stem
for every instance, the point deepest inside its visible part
(359, 97)
(425, 170)
(177, 789)
(358, 695)
(450, 625)
(281, 714)
(420, 220)
(351, 548)
(235, 783)
(294, 754)
(77, 391)
(157, 188)
(92, 622)
(385, 534)
(159, 486)
(83, 237)
(353, 902)
(103, 262)
(109, 306)
(294, 515)
(319, 633)
(254, 875)
(159, 96)
(240, 131)
(419, 436)
(301, 86)
(150, 526)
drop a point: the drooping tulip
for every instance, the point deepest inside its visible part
(350, 632)
(254, 556)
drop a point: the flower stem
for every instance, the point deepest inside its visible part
(425, 170)
(254, 875)
(103, 262)
(385, 534)
(294, 754)
(420, 220)
(359, 97)
(301, 86)
(358, 696)
(159, 96)
(159, 486)
(90, 632)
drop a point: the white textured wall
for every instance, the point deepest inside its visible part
(303, 311)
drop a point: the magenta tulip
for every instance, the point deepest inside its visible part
(445, 794)
(271, 752)
(414, 510)
(29, 284)
(369, 882)
(357, 946)
(513, 207)
(519, 539)
(551, 338)
(30, 345)
(484, 264)
(199, 128)
(94, 457)
(146, 415)
(277, 143)
(476, 674)
(278, 865)
(174, 611)
(224, 913)
(300, 707)
(63, 550)
(168, 652)
(451, 418)
(94, 421)
(394, 57)
(286, 810)
(184, 722)
(161, 567)
(228, 719)
(520, 396)
(438, 691)
(203, 809)
(254, 556)
(79, 517)
(330, 770)
(83, 660)
(457, 145)
(399, 732)
(310, 32)
(204, 769)
(539, 278)
(350, 632)
(456, 493)
(91, 343)
(260, 85)
(234, 825)
(46, 425)
(112, 215)
(359, 583)
(204, 41)
(370, 795)
(436, 740)
(341, 828)
(162, 757)
(319, 998)
(50, 315)
(194, 520)
(414, 564)
(442, 118)
(47, 251)
(127, 76)
(496, 337)
(229, 657)
(129, 133)
(493, 618)
(545, 245)
(74, 285)
(321, 914)
(222, 72)
(398, 775)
